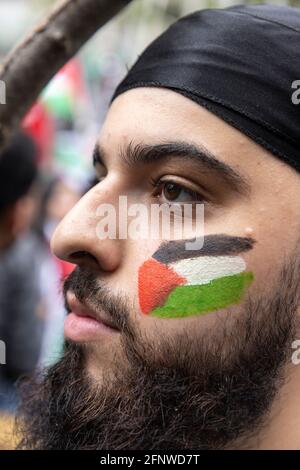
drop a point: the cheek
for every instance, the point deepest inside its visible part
(194, 286)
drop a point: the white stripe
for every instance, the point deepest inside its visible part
(204, 269)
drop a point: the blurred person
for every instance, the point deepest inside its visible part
(168, 348)
(21, 324)
(59, 195)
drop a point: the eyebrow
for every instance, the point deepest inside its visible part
(138, 153)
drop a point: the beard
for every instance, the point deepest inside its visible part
(213, 392)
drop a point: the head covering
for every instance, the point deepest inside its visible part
(240, 63)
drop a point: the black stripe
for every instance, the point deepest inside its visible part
(214, 245)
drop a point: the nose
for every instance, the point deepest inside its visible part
(75, 239)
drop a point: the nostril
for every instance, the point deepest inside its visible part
(82, 256)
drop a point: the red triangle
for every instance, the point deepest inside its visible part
(155, 282)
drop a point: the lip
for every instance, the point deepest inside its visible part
(83, 324)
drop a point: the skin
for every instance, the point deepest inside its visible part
(269, 213)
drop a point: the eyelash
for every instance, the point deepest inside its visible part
(159, 184)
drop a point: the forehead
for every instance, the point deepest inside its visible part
(153, 115)
(159, 113)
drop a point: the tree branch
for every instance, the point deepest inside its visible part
(30, 66)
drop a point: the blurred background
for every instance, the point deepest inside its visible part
(55, 146)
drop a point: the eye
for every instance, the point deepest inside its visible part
(170, 191)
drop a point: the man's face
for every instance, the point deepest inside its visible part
(250, 207)
(263, 207)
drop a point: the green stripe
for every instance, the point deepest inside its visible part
(199, 299)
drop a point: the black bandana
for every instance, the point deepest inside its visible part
(241, 63)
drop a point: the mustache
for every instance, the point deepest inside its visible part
(92, 292)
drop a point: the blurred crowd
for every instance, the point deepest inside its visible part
(43, 172)
(31, 309)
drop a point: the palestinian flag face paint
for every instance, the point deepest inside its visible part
(176, 282)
